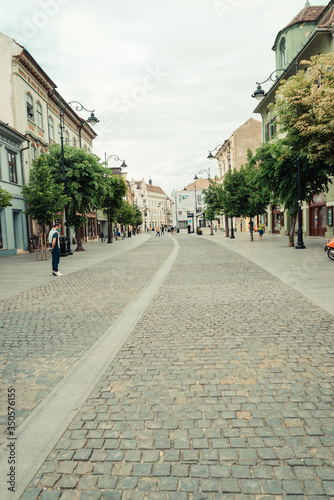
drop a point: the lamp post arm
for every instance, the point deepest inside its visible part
(114, 157)
(277, 77)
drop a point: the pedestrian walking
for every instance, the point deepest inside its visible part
(260, 229)
(55, 250)
(102, 236)
(157, 231)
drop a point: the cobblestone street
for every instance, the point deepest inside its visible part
(222, 390)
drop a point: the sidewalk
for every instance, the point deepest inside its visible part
(309, 271)
(21, 272)
(176, 371)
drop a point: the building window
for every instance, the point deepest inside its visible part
(12, 167)
(74, 142)
(283, 52)
(67, 137)
(51, 129)
(273, 127)
(30, 107)
(39, 117)
(33, 153)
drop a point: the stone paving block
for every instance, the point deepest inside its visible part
(68, 481)
(292, 487)
(161, 469)
(107, 482)
(189, 484)
(230, 486)
(250, 486)
(31, 494)
(168, 484)
(90, 495)
(50, 495)
(328, 487)
(210, 485)
(82, 454)
(272, 487)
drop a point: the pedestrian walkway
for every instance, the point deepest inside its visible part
(308, 270)
(207, 377)
(20, 272)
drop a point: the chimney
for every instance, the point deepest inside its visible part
(307, 4)
(150, 182)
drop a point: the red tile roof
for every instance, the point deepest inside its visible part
(307, 15)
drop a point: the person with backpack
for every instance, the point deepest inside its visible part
(55, 248)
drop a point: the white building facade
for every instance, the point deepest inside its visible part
(188, 208)
(30, 104)
(153, 203)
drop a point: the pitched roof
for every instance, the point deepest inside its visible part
(154, 189)
(200, 184)
(307, 15)
(328, 20)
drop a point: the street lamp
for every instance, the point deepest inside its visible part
(92, 120)
(196, 178)
(124, 165)
(259, 93)
(210, 156)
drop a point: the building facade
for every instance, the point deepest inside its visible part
(31, 104)
(13, 221)
(153, 203)
(233, 155)
(188, 208)
(310, 33)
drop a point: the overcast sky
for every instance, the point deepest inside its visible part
(169, 80)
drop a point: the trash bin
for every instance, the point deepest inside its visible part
(63, 246)
(177, 230)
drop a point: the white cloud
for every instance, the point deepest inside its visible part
(207, 55)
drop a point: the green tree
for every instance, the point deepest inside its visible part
(305, 109)
(116, 189)
(214, 203)
(277, 163)
(5, 198)
(126, 214)
(138, 218)
(43, 194)
(85, 183)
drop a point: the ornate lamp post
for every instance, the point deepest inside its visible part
(124, 165)
(196, 178)
(259, 93)
(92, 120)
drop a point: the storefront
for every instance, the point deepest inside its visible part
(277, 219)
(91, 225)
(318, 215)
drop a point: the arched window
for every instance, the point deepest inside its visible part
(51, 129)
(283, 52)
(30, 106)
(39, 116)
(67, 137)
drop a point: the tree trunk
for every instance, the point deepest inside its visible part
(292, 232)
(79, 248)
(211, 229)
(227, 232)
(252, 230)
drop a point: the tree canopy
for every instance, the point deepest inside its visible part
(305, 109)
(5, 198)
(44, 195)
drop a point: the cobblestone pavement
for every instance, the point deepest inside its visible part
(45, 330)
(224, 390)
